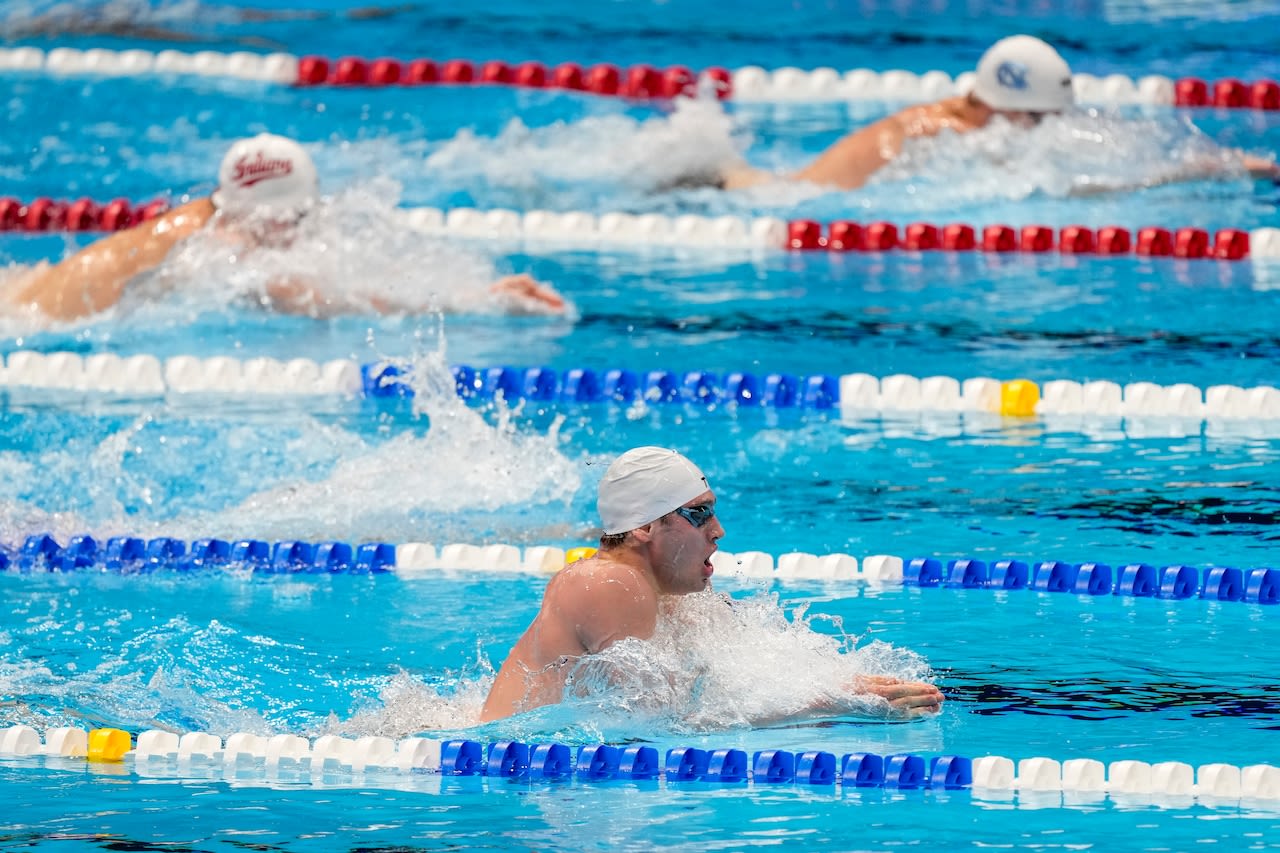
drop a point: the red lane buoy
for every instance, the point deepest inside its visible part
(531, 75)
(1075, 240)
(568, 75)
(457, 71)
(1156, 242)
(845, 236)
(422, 71)
(959, 237)
(678, 81)
(385, 72)
(1191, 92)
(495, 71)
(82, 215)
(642, 81)
(10, 213)
(999, 238)
(804, 234)
(1265, 95)
(603, 79)
(921, 237)
(1230, 93)
(1113, 240)
(312, 71)
(1037, 238)
(115, 215)
(44, 214)
(880, 237)
(1231, 244)
(350, 71)
(1190, 243)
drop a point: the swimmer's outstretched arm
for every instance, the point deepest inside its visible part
(94, 278)
(520, 294)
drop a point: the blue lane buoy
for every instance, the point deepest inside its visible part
(862, 770)
(460, 758)
(1137, 579)
(686, 764)
(1093, 579)
(966, 573)
(774, 766)
(727, 765)
(1222, 583)
(1262, 586)
(1009, 574)
(639, 762)
(816, 768)
(950, 771)
(598, 762)
(922, 571)
(506, 759)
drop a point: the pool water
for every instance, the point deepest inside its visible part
(1026, 673)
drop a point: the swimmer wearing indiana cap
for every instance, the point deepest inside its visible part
(1020, 78)
(266, 185)
(660, 530)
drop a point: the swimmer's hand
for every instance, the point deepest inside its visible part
(523, 293)
(1262, 167)
(907, 700)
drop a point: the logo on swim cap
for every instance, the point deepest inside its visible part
(1012, 75)
(249, 172)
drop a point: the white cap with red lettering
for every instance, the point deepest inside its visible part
(266, 174)
(644, 484)
(1023, 74)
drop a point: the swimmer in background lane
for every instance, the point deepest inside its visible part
(266, 184)
(660, 530)
(1020, 78)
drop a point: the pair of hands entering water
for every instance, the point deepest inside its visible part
(907, 699)
(522, 291)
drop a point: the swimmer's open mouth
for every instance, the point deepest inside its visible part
(707, 569)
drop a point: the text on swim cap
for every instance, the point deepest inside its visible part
(249, 172)
(1012, 75)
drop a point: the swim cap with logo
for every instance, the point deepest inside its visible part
(644, 484)
(265, 174)
(1023, 74)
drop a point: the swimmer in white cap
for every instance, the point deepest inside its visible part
(1020, 78)
(266, 185)
(660, 530)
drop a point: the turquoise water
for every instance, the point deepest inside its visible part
(1026, 674)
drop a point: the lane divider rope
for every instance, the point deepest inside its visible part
(577, 228)
(641, 81)
(42, 552)
(854, 394)
(161, 753)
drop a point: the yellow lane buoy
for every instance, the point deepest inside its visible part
(108, 744)
(1018, 398)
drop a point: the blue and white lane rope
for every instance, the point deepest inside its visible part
(853, 394)
(244, 756)
(131, 555)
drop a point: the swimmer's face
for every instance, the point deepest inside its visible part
(683, 542)
(1023, 119)
(273, 230)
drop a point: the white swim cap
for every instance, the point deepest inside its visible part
(266, 173)
(644, 484)
(1023, 74)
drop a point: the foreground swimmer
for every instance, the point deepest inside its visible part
(1020, 78)
(660, 530)
(266, 185)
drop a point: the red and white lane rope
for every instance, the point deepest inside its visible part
(728, 232)
(641, 81)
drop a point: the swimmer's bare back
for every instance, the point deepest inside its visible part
(94, 278)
